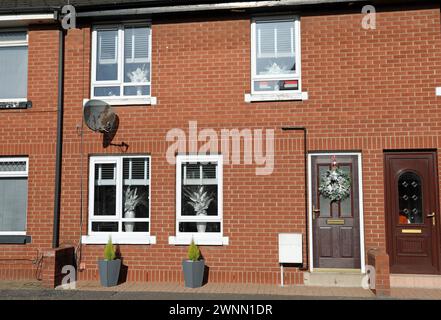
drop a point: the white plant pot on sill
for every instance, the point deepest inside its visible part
(201, 226)
(129, 226)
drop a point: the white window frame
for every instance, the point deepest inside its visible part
(119, 237)
(121, 99)
(16, 174)
(207, 238)
(282, 94)
(16, 43)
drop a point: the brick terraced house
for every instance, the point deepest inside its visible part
(315, 118)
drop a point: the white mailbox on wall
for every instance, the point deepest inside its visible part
(290, 248)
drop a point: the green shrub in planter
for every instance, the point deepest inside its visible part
(193, 267)
(109, 267)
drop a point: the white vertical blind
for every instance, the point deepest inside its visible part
(13, 65)
(136, 44)
(275, 39)
(107, 46)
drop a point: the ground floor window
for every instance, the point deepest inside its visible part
(199, 199)
(119, 198)
(13, 195)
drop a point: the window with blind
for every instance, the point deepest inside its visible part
(199, 197)
(13, 195)
(275, 55)
(13, 65)
(121, 61)
(119, 195)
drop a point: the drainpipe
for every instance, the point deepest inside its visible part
(305, 153)
(59, 147)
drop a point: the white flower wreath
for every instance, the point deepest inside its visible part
(335, 184)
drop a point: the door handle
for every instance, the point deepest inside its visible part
(433, 216)
(314, 212)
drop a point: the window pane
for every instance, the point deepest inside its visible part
(105, 226)
(135, 201)
(135, 188)
(107, 55)
(137, 90)
(13, 204)
(199, 200)
(136, 54)
(15, 166)
(275, 48)
(136, 227)
(275, 85)
(410, 198)
(14, 72)
(105, 189)
(106, 91)
(346, 204)
(199, 227)
(13, 36)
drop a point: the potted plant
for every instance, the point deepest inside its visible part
(132, 200)
(193, 267)
(110, 266)
(200, 201)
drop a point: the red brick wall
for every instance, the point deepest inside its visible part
(31, 133)
(369, 90)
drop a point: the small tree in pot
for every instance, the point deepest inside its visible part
(109, 267)
(193, 267)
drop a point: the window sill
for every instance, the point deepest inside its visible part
(256, 97)
(207, 241)
(119, 238)
(127, 101)
(15, 239)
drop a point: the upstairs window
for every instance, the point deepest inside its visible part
(275, 55)
(13, 65)
(121, 61)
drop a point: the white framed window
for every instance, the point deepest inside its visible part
(13, 195)
(13, 65)
(119, 200)
(121, 63)
(199, 200)
(275, 55)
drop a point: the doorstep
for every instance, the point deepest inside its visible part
(350, 278)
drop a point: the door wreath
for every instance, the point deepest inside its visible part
(335, 184)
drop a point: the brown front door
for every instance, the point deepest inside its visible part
(411, 198)
(336, 224)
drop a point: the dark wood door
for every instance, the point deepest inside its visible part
(336, 224)
(411, 198)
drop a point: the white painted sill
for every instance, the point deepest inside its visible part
(294, 96)
(120, 238)
(186, 240)
(128, 101)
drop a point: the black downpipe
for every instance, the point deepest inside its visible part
(305, 153)
(59, 147)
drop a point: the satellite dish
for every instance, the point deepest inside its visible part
(99, 116)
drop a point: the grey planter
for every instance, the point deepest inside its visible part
(193, 273)
(109, 272)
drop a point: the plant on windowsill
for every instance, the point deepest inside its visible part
(109, 267)
(193, 267)
(137, 76)
(131, 200)
(200, 201)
